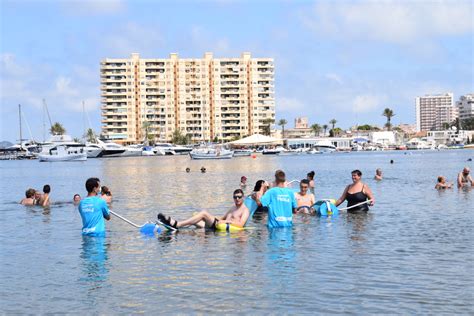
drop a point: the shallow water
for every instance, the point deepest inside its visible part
(412, 253)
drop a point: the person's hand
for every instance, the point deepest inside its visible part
(372, 203)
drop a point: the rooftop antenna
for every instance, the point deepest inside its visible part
(28, 126)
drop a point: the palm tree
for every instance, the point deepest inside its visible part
(90, 136)
(57, 129)
(316, 129)
(388, 113)
(325, 127)
(146, 125)
(282, 123)
(267, 126)
(333, 123)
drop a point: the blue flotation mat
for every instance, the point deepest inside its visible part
(326, 208)
(150, 229)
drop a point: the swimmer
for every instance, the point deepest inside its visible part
(203, 169)
(29, 198)
(45, 199)
(304, 200)
(38, 197)
(310, 177)
(391, 161)
(106, 194)
(355, 193)
(237, 216)
(465, 179)
(243, 182)
(378, 174)
(76, 199)
(442, 184)
(188, 170)
(276, 184)
(261, 186)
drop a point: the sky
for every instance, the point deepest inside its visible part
(343, 60)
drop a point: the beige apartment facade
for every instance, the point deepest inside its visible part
(206, 98)
(433, 111)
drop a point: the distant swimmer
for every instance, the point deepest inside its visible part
(310, 177)
(203, 169)
(93, 210)
(188, 170)
(29, 198)
(243, 182)
(391, 161)
(378, 174)
(45, 201)
(281, 203)
(356, 193)
(442, 184)
(106, 195)
(76, 199)
(465, 179)
(304, 200)
(237, 215)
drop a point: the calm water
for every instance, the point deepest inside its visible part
(413, 252)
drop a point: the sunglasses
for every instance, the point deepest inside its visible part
(238, 197)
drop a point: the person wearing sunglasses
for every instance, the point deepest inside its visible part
(237, 215)
(281, 203)
(304, 200)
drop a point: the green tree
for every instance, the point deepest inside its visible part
(57, 129)
(468, 124)
(76, 139)
(180, 139)
(365, 127)
(325, 127)
(316, 129)
(282, 123)
(335, 132)
(266, 129)
(388, 113)
(90, 136)
(146, 127)
(333, 123)
(215, 139)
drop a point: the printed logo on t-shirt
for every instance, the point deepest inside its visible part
(283, 198)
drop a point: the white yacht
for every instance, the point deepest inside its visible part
(132, 151)
(242, 152)
(64, 153)
(170, 149)
(325, 146)
(211, 153)
(93, 150)
(110, 149)
(273, 151)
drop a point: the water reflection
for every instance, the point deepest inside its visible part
(94, 261)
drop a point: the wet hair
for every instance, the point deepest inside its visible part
(46, 188)
(238, 191)
(91, 184)
(105, 190)
(304, 181)
(74, 197)
(203, 169)
(311, 175)
(188, 170)
(280, 176)
(440, 179)
(378, 170)
(357, 172)
(30, 193)
(258, 185)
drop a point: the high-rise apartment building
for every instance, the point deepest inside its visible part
(465, 106)
(204, 98)
(432, 111)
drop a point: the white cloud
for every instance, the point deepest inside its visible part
(93, 7)
(367, 103)
(334, 77)
(391, 21)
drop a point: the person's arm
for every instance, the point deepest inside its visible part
(343, 196)
(469, 178)
(370, 195)
(45, 201)
(460, 184)
(105, 210)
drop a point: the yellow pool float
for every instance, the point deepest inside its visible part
(226, 227)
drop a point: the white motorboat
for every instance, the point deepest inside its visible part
(170, 149)
(110, 149)
(132, 151)
(211, 153)
(64, 153)
(242, 152)
(325, 146)
(148, 151)
(293, 152)
(314, 151)
(93, 150)
(273, 151)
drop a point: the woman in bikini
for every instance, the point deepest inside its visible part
(356, 193)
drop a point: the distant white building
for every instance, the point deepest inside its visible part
(448, 137)
(384, 138)
(465, 106)
(432, 111)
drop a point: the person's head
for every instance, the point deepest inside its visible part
(93, 185)
(243, 179)
(30, 193)
(441, 179)
(46, 189)
(304, 186)
(310, 175)
(203, 169)
(466, 171)
(378, 171)
(188, 170)
(259, 184)
(37, 195)
(280, 176)
(76, 198)
(356, 175)
(106, 191)
(238, 197)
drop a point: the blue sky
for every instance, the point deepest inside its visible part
(346, 60)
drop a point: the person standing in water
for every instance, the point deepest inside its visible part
(93, 210)
(378, 174)
(464, 178)
(356, 193)
(281, 203)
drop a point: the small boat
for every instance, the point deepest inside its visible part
(64, 153)
(170, 149)
(93, 150)
(148, 151)
(110, 149)
(242, 152)
(314, 151)
(325, 146)
(273, 151)
(211, 153)
(132, 151)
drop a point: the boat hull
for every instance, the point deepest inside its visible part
(55, 158)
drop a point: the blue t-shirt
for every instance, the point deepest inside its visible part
(280, 203)
(92, 210)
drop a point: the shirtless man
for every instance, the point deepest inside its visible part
(378, 174)
(464, 178)
(29, 197)
(45, 201)
(304, 200)
(237, 216)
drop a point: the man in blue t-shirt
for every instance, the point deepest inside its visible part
(281, 203)
(93, 210)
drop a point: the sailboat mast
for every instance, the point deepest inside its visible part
(19, 117)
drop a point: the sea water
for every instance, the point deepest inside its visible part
(412, 253)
